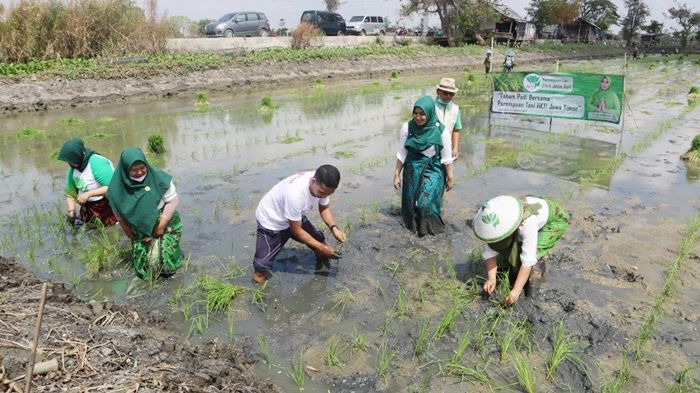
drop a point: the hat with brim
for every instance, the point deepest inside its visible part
(448, 84)
(498, 218)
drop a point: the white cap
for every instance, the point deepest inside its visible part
(498, 218)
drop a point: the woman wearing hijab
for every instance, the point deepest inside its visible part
(86, 183)
(425, 156)
(145, 201)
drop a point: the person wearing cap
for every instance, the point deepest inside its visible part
(281, 214)
(448, 112)
(509, 61)
(487, 61)
(426, 160)
(87, 180)
(519, 236)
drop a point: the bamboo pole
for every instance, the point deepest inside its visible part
(35, 344)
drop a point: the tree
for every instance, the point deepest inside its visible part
(332, 5)
(687, 18)
(547, 12)
(179, 25)
(601, 12)
(457, 17)
(654, 27)
(637, 12)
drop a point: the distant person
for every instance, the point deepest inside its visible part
(509, 61)
(635, 51)
(145, 201)
(487, 61)
(519, 234)
(86, 184)
(425, 156)
(448, 112)
(281, 214)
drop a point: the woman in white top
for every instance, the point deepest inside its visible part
(425, 156)
(519, 234)
(145, 201)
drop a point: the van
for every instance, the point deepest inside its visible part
(328, 22)
(246, 24)
(367, 25)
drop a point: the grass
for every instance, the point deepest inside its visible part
(357, 340)
(333, 351)
(523, 368)
(156, 144)
(342, 299)
(384, 358)
(564, 349)
(297, 374)
(422, 342)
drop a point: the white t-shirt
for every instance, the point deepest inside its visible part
(527, 234)
(445, 153)
(287, 201)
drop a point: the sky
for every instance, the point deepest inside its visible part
(291, 10)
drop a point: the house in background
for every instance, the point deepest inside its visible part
(580, 31)
(511, 27)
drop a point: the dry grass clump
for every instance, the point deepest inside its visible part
(50, 29)
(304, 35)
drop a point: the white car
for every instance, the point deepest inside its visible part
(366, 25)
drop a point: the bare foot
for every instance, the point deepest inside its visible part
(259, 277)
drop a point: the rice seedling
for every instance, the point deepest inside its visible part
(469, 373)
(357, 340)
(394, 75)
(199, 324)
(258, 296)
(388, 327)
(392, 267)
(523, 368)
(264, 350)
(332, 358)
(287, 139)
(156, 144)
(514, 337)
(685, 383)
(420, 294)
(422, 342)
(401, 303)
(451, 269)
(219, 295)
(344, 154)
(297, 374)
(28, 133)
(202, 103)
(231, 327)
(445, 323)
(102, 253)
(621, 378)
(267, 105)
(342, 299)
(564, 348)
(463, 345)
(73, 121)
(384, 358)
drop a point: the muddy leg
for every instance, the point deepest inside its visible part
(532, 287)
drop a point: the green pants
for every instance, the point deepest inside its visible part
(160, 256)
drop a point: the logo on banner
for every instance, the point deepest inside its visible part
(532, 82)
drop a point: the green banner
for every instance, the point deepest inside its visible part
(569, 95)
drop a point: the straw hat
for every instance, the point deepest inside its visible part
(447, 84)
(498, 218)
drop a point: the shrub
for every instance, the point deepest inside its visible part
(40, 29)
(694, 90)
(156, 144)
(304, 36)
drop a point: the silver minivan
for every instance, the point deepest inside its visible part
(367, 25)
(246, 24)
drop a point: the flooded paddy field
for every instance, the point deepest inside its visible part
(398, 313)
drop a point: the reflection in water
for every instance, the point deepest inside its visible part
(569, 157)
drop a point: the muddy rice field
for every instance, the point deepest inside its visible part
(618, 311)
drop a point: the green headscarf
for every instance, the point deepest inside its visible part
(137, 202)
(74, 152)
(421, 138)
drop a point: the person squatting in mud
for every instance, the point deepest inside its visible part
(425, 156)
(519, 236)
(281, 214)
(145, 200)
(87, 180)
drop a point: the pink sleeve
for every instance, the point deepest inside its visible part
(169, 208)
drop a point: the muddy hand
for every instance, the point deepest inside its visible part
(339, 235)
(489, 286)
(512, 297)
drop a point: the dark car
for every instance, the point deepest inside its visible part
(328, 22)
(246, 24)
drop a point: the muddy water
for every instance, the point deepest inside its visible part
(625, 229)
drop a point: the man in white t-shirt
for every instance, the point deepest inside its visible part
(281, 214)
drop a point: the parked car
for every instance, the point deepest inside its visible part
(328, 22)
(366, 25)
(246, 24)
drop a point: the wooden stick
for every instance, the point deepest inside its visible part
(37, 330)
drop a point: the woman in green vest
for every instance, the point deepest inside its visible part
(145, 201)
(519, 236)
(87, 180)
(425, 156)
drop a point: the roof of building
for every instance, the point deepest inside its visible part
(508, 12)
